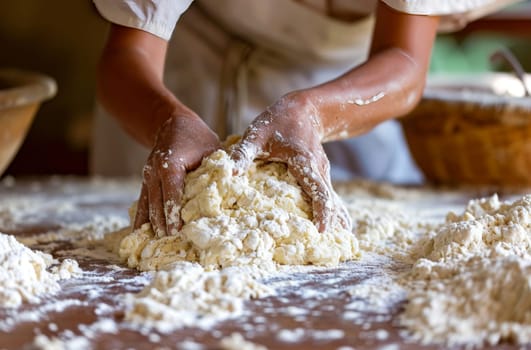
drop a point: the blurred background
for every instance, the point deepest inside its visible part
(63, 39)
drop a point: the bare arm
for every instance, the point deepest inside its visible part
(131, 88)
(387, 85)
(130, 84)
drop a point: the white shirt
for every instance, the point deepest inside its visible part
(160, 16)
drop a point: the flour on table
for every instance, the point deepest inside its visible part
(470, 280)
(27, 275)
(389, 219)
(461, 280)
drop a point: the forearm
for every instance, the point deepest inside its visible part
(386, 86)
(131, 88)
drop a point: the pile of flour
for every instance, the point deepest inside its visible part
(187, 295)
(470, 275)
(27, 275)
(471, 282)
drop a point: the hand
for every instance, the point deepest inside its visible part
(181, 144)
(290, 132)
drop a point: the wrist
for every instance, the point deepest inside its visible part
(307, 107)
(171, 119)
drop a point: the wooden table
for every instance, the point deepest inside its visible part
(96, 295)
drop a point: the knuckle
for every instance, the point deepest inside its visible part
(147, 173)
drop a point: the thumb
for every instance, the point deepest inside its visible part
(243, 154)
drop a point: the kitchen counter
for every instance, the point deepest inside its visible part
(90, 307)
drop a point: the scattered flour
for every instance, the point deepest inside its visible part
(297, 334)
(190, 345)
(14, 210)
(377, 294)
(291, 335)
(81, 234)
(24, 275)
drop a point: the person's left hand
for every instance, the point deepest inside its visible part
(290, 132)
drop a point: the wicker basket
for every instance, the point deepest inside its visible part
(467, 134)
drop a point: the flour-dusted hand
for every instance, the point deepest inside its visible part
(181, 144)
(290, 132)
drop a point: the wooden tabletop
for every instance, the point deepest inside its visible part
(91, 306)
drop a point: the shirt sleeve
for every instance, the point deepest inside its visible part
(455, 14)
(157, 17)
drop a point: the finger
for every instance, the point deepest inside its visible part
(142, 208)
(156, 205)
(243, 154)
(339, 215)
(342, 213)
(172, 181)
(315, 187)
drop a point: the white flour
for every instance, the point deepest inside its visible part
(472, 281)
(45, 343)
(27, 275)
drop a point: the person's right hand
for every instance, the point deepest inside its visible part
(290, 132)
(182, 142)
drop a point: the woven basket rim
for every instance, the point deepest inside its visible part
(479, 98)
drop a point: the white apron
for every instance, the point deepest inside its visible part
(229, 68)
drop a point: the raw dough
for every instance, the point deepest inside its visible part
(260, 218)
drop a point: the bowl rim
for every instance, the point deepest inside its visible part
(29, 87)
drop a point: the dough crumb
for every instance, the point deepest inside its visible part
(43, 342)
(190, 296)
(237, 342)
